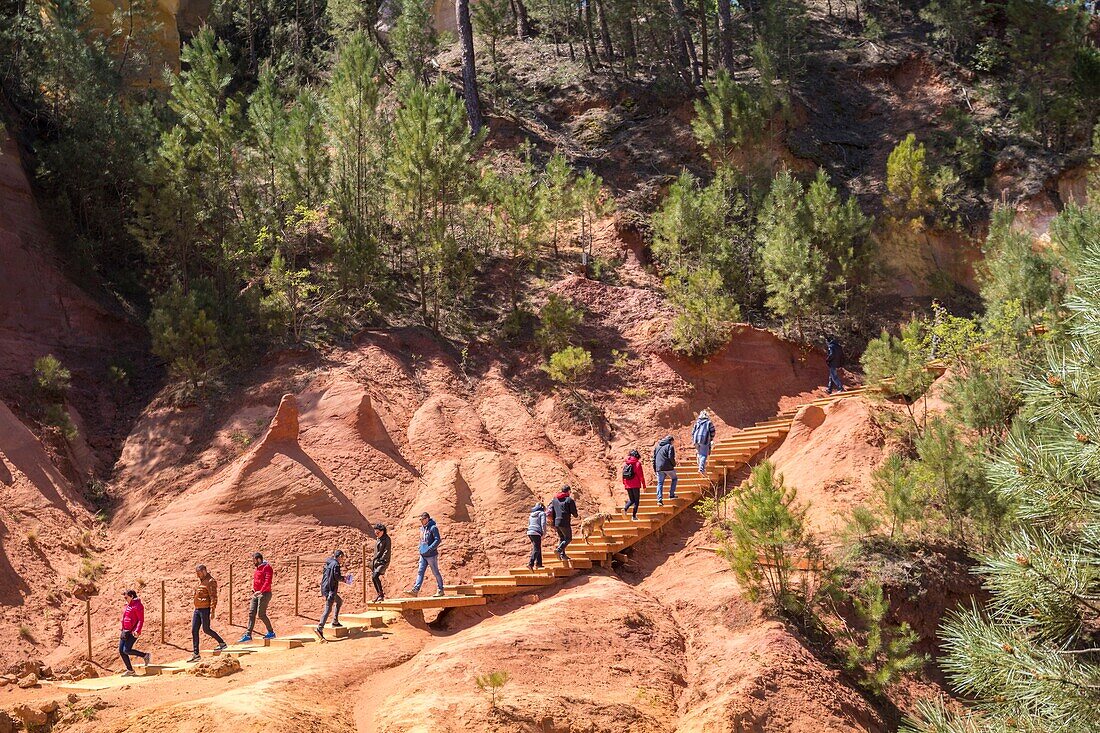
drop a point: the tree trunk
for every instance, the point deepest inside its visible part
(684, 32)
(725, 35)
(523, 24)
(605, 33)
(469, 73)
(705, 60)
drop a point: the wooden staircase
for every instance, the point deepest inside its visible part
(726, 457)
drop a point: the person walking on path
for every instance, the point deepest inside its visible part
(133, 618)
(331, 576)
(633, 482)
(834, 359)
(563, 509)
(536, 528)
(429, 555)
(381, 561)
(664, 464)
(702, 435)
(261, 596)
(206, 603)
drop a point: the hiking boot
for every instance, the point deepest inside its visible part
(561, 555)
(660, 502)
(538, 567)
(245, 639)
(128, 673)
(221, 647)
(337, 625)
(412, 592)
(269, 635)
(148, 657)
(439, 593)
(319, 632)
(194, 658)
(378, 599)
(565, 558)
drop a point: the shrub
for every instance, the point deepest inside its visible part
(184, 335)
(569, 366)
(882, 652)
(558, 321)
(895, 489)
(704, 312)
(26, 634)
(492, 683)
(51, 377)
(727, 117)
(91, 569)
(56, 416)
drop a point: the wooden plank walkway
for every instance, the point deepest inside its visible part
(727, 456)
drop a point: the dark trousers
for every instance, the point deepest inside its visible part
(565, 534)
(536, 550)
(201, 618)
(376, 578)
(257, 607)
(835, 385)
(126, 649)
(633, 499)
(333, 601)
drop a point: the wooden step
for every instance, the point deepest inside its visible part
(419, 604)
(548, 570)
(575, 563)
(290, 642)
(513, 580)
(367, 620)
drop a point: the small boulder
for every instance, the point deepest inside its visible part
(83, 671)
(73, 698)
(27, 682)
(220, 667)
(33, 716)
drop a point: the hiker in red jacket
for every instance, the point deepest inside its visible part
(261, 596)
(633, 482)
(133, 618)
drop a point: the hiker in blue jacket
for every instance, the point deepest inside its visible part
(429, 555)
(702, 435)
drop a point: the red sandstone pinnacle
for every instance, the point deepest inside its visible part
(284, 426)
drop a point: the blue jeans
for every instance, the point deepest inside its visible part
(835, 385)
(201, 619)
(425, 563)
(702, 451)
(661, 484)
(126, 641)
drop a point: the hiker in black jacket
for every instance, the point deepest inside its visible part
(834, 359)
(563, 509)
(381, 560)
(330, 586)
(664, 465)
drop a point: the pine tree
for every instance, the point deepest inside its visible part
(795, 270)
(431, 175)
(558, 194)
(728, 118)
(356, 135)
(1030, 658)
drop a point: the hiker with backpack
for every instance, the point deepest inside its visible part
(133, 618)
(664, 464)
(429, 555)
(536, 528)
(702, 435)
(331, 576)
(834, 359)
(562, 511)
(261, 596)
(633, 482)
(380, 562)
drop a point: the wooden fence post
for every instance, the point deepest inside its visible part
(162, 612)
(230, 594)
(364, 572)
(297, 577)
(88, 624)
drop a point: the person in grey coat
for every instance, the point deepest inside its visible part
(536, 528)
